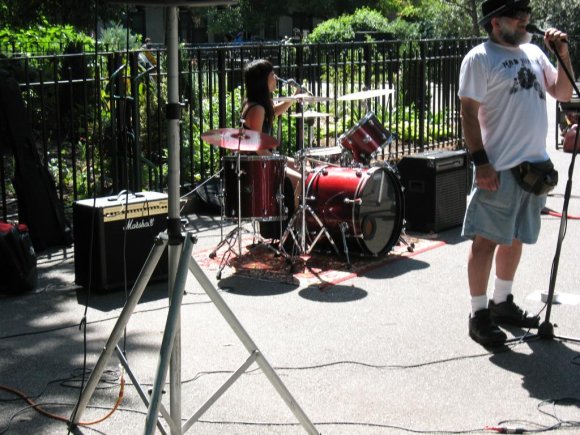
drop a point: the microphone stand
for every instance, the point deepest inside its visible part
(546, 329)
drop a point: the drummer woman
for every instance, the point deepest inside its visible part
(259, 111)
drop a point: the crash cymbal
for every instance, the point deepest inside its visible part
(302, 98)
(309, 114)
(242, 140)
(362, 95)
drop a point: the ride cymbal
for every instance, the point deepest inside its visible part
(239, 139)
(309, 114)
(302, 98)
(363, 95)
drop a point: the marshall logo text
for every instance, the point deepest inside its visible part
(138, 224)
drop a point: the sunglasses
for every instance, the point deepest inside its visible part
(519, 13)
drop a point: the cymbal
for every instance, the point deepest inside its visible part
(231, 139)
(322, 151)
(302, 98)
(362, 95)
(309, 114)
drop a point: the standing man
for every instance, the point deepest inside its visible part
(502, 87)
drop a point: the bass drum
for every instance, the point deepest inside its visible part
(367, 204)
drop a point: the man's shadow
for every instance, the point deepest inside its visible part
(550, 371)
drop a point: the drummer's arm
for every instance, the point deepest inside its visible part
(281, 107)
(254, 120)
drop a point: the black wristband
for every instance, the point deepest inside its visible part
(479, 157)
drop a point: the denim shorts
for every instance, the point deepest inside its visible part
(506, 214)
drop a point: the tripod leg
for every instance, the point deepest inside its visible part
(142, 394)
(116, 334)
(250, 346)
(171, 328)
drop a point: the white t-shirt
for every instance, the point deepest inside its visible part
(510, 84)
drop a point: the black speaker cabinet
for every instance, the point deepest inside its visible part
(121, 231)
(435, 189)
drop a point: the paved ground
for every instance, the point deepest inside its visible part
(386, 352)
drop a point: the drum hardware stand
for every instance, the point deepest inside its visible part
(343, 229)
(410, 245)
(180, 261)
(303, 208)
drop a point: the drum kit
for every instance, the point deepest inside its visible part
(347, 199)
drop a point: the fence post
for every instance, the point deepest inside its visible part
(368, 62)
(222, 88)
(422, 106)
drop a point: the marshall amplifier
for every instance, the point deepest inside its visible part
(435, 189)
(115, 234)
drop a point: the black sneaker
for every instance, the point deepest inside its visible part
(510, 314)
(483, 330)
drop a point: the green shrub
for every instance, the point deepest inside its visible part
(345, 27)
(43, 38)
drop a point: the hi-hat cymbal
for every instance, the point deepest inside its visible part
(362, 95)
(302, 98)
(242, 140)
(309, 114)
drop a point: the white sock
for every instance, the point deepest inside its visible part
(501, 290)
(478, 303)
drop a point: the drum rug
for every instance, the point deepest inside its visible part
(316, 269)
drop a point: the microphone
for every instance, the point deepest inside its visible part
(294, 84)
(535, 30)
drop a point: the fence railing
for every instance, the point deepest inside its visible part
(98, 119)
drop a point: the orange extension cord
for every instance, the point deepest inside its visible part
(61, 418)
(551, 212)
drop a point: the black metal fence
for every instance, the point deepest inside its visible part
(98, 119)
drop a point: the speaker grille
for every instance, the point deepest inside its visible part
(450, 199)
(435, 189)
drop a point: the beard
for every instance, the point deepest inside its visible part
(514, 36)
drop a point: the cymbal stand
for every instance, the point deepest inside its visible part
(235, 236)
(304, 208)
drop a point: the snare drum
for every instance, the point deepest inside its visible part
(365, 138)
(260, 184)
(367, 203)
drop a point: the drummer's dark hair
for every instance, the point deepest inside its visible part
(256, 75)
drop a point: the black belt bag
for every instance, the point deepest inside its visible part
(539, 178)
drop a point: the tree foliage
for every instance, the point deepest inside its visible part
(45, 38)
(78, 13)
(362, 24)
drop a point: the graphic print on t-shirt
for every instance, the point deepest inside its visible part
(525, 78)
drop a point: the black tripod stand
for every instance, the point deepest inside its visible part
(546, 328)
